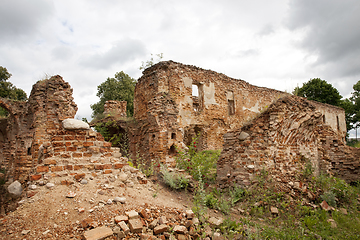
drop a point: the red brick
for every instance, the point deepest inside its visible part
(57, 138)
(80, 132)
(66, 182)
(78, 144)
(68, 144)
(107, 155)
(68, 167)
(59, 149)
(65, 155)
(87, 154)
(70, 132)
(49, 161)
(80, 138)
(99, 167)
(35, 177)
(58, 144)
(100, 138)
(42, 169)
(56, 168)
(107, 171)
(107, 166)
(71, 149)
(77, 155)
(90, 138)
(69, 138)
(107, 144)
(88, 144)
(94, 149)
(78, 167)
(119, 165)
(79, 176)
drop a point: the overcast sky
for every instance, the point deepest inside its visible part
(278, 44)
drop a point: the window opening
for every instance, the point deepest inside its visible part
(324, 118)
(338, 124)
(29, 151)
(172, 150)
(173, 135)
(195, 90)
(231, 106)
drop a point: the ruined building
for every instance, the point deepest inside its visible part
(256, 127)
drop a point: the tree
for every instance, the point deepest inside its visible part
(8, 90)
(151, 62)
(120, 88)
(354, 106)
(320, 91)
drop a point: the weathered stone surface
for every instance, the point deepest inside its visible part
(215, 221)
(124, 227)
(132, 214)
(161, 228)
(15, 188)
(243, 136)
(121, 218)
(98, 233)
(179, 229)
(74, 124)
(135, 225)
(190, 214)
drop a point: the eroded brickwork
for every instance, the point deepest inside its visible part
(281, 140)
(115, 108)
(174, 102)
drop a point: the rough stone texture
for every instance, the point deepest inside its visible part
(98, 233)
(15, 188)
(282, 140)
(168, 114)
(135, 225)
(74, 124)
(115, 108)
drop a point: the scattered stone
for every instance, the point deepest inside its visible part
(162, 220)
(153, 224)
(189, 214)
(160, 229)
(243, 136)
(274, 210)
(32, 187)
(135, 225)
(121, 218)
(81, 210)
(124, 227)
(343, 211)
(24, 232)
(143, 214)
(70, 194)
(15, 189)
(215, 222)
(109, 202)
(325, 206)
(84, 181)
(180, 229)
(120, 200)
(74, 124)
(98, 233)
(50, 185)
(332, 222)
(132, 214)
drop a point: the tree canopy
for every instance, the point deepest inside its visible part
(8, 90)
(120, 88)
(320, 91)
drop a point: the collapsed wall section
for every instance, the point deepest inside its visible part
(290, 133)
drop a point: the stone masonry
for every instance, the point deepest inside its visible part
(281, 140)
(174, 102)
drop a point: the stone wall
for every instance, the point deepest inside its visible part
(115, 108)
(174, 102)
(282, 140)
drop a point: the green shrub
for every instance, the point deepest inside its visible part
(173, 180)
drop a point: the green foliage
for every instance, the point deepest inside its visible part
(173, 180)
(308, 170)
(198, 164)
(229, 228)
(8, 90)
(120, 88)
(151, 62)
(329, 197)
(320, 91)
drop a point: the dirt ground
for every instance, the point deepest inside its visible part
(60, 212)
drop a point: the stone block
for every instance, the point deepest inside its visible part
(77, 155)
(107, 171)
(98, 233)
(57, 168)
(161, 228)
(74, 124)
(87, 154)
(135, 225)
(121, 218)
(132, 214)
(124, 227)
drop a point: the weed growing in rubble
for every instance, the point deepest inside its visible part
(173, 180)
(199, 164)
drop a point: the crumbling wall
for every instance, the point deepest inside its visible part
(290, 133)
(32, 123)
(115, 108)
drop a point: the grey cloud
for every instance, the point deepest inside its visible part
(332, 32)
(23, 18)
(248, 53)
(123, 51)
(266, 30)
(62, 53)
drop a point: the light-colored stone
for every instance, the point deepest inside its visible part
(243, 136)
(50, 185)
(215, 221)
(135, 225)
(132, 214)
(274, 210)
(189, 214)
(98, 233)
(124, 227)
(74, 124)
(160, 229)
(343, 211)
(153, 224)
(120, 200)
(332, 222)
(15, 188)
(121, 218)
(180, 229)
